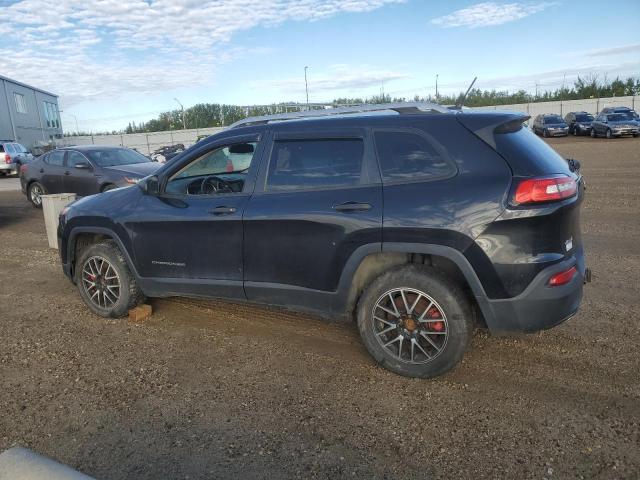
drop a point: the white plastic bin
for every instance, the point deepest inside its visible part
(52, 205)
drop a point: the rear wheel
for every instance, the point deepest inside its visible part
(415, 321)
(105, 282)
(35, 192)
(107, 187)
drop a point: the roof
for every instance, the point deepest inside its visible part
(81, 148)
(7, 79)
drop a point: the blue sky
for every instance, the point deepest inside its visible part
(112, 61)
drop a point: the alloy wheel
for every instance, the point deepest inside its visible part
(35, 192)
(100, 282)
(410, 325)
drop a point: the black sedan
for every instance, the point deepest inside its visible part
(579, 123)
(83, 170)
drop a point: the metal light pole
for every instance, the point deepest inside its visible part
(76, 119)
(306, 85)
(436, 87)
(184, 123)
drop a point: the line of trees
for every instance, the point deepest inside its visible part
(205, 115)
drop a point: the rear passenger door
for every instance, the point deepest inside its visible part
(52, 171)
(81, 181)
(318, 200)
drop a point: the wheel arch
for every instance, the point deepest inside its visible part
(82, 237)
(371, 264)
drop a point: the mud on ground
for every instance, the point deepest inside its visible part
(215, 390)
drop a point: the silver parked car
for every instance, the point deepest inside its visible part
(12, 156)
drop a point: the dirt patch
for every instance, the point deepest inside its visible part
(210, 389)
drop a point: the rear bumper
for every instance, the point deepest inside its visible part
(9, 167)
(539, 306)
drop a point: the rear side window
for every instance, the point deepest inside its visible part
(11, 148)
(315, 163)
(407, 156)
(55, 158)
(1, 148)
(529, 155)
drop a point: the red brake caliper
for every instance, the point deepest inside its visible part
(435, 326)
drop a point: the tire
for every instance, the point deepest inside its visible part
(439, 294)
(575, 132)
(635, 135)
(593, 133)
(545, 133)
(609, 135)
(34, 194)
(107, 187)
(102, 261)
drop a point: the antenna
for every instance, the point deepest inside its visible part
(463, 97)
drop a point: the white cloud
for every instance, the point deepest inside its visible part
(84, 48)
(487, 14)
(339, 78)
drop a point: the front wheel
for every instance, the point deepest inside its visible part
(105, 282)
(593, 133)
(415, 321)
(575, 131)
(34, 193)
(609, 135)
(545, 133)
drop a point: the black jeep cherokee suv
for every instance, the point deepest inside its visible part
(418, 225)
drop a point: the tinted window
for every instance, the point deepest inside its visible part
(409, 156)
(315, 163)
(55, 158)
(1, 147)
(617, 117)
(529, 154)
(553, 119)
(584, 118)
(116, 156)
(11, 148)
(74, 158)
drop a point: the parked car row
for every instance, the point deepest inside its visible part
(611, 122)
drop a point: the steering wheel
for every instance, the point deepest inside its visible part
(213, 184)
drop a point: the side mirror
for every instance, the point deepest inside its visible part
(83, 166)
(151, 186)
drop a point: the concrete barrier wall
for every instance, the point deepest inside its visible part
(143, 142)
(148, 142)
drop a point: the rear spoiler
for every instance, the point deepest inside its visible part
(486, 125)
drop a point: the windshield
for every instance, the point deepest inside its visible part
(584, 118)
(618, 117)
(115, 156)
(553, 119)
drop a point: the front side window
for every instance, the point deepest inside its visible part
(221, 170)
(321, 163)
(409, 156)
(21, 104)
(56, 158)
(20, 148)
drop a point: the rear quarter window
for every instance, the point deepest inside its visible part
(408, 156)
(529, 155)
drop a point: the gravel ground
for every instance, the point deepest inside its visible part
(215, 390)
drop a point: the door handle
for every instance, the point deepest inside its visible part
(222, 210)
(67, 172)
(352, 207)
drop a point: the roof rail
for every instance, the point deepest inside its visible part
(399, 107)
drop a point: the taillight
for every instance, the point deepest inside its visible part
(562, 278)
(544, 189)
(7, 158)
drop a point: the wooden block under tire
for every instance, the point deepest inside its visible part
(140, 313)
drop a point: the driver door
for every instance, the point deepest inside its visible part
(190, 236)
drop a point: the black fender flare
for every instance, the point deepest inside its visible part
(75, 231)
(457, 257)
